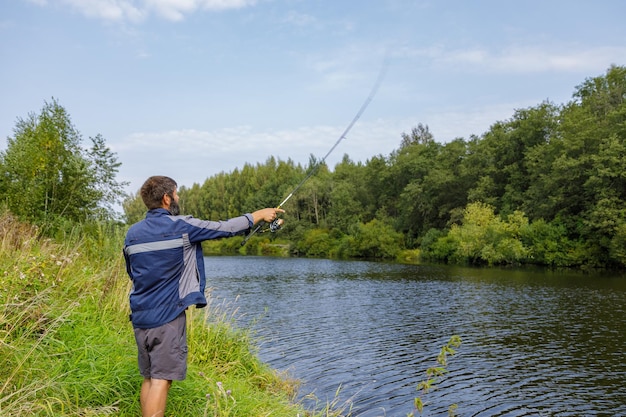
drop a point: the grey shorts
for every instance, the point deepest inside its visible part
(162, 351)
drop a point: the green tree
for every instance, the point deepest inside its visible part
(579, 177)
(403, 182)
(550, 245)
(503, 170)
(376, 199)
(312, 201)
(419, 134)
(134, 208)
(429, 200)
(347, 196)
(48, 177)
(103, 169)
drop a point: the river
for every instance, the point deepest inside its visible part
(361, 334)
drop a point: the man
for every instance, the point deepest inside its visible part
(164, 260)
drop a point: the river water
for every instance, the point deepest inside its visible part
(361, 334)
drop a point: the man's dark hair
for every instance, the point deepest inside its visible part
(153, 190)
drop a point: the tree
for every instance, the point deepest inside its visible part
(505, 153)
(407, 166)
(105, 188)
(420, 134)
(46, 176)
(348, 195)
(428, 201)
(134, 208)
(579, 176)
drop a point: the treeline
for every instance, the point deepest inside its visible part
(546, 187)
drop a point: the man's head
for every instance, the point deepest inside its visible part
(160, 192)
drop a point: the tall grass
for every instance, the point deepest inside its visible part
(66, 345)
(63, 337)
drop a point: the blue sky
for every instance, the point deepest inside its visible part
(190, 88)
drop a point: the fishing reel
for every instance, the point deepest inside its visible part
(276, 225)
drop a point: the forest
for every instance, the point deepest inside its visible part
(545, 187)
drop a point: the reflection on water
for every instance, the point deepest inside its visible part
(534, 343)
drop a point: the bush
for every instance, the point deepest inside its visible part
(378, 240)
(315, 243)
(430, 247)
(482, 238)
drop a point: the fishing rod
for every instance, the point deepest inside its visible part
(277, 224)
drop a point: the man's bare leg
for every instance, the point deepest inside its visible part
(153, 397)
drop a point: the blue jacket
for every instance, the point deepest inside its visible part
(164, 260)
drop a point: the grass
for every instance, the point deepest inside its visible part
(67, 349)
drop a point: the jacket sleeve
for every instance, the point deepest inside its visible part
(200, 230)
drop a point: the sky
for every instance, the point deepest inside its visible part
(192, 88)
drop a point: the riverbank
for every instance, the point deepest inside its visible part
(285, 249)
(67, 348)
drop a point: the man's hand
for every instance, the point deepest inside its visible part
(268, 215)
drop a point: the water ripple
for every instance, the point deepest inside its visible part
(534, 344)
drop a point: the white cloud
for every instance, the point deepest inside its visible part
(191, 156)
(137, 10)
(239, 141)
(110, 10)
(538, 59)
(177, 9)
(523, 59)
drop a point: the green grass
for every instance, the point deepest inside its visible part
(67, 347)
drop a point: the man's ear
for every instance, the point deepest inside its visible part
(166, 201)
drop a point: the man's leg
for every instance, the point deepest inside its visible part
(153, 397)
(162, 357)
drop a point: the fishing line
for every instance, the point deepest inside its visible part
(276, 224)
